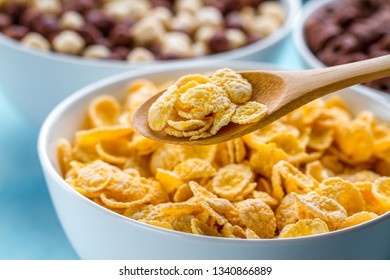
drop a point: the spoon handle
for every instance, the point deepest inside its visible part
(312, 84)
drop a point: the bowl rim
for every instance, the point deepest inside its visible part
(303, 49)
(61, 109)
(294, 7)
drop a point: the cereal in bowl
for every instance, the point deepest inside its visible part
(295, 177)
(139, 31)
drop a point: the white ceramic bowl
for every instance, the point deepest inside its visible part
(36, 81)
(309, 59)
(97, 233)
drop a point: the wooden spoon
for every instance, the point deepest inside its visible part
(282, 92)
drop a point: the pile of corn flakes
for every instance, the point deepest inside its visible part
(197, 106)
(316, 170)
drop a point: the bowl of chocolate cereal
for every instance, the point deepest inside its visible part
(312, 185)
(51, 48)
(337, 32)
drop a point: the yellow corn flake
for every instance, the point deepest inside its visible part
(141, 145)
(103, 111)
(305, 115)
(356, 140)
(265, 197)
(345, 193)
(249, 112)
(194, 168)
(290, 144)
(286, 178)
(333, 117)
(93, 177)
(371, 202)
(180, 222)
(312, 206)
(206, 97)
(266, 134)
(360, 176)
(257, 216)
(221, 220)
(200, 192)
(201, 228)
(161, 110)
(179, 208)
(264, 185)
(285, 213)
(193, 133)
(117, 201)
(232, 151)
(238, 89)
(250, 234)
(317, 171)
(182, 193)
(64, 155)
(222, 118)
(381, 134)
(231, 181)
(95, 135)
(381, 191)
(264, 159)
(356, 219)
(220, 205)
(137, 93)
(304, 228)
(187, 125)
(320, 139)
(107, 157)
(169, 180)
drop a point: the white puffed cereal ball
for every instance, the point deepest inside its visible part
(140, 55)
(125, 9)
(36, 40)
(272, 9)
(204, 33)
(246, 19)
(200, 49)
(184, 21)
(96, 52)
(161, 13)
(148, 30)
(68, 42)
(263, 26)
(71, 20)
(48, 6)
(236, 38)
(210, 16)
(191, 6)
(177, 43)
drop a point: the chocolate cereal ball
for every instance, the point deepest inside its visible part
(351, 30)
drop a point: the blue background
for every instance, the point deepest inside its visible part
(29, 227)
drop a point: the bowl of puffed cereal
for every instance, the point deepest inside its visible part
(51, 48)
(311, 185)
(336, 32)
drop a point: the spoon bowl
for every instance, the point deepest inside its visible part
(281, 91)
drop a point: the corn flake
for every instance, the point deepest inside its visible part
(356, 219)
(249, 112)
(312, 206)
(304, 228)
(258, 216)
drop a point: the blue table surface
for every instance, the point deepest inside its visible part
(29, 227)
